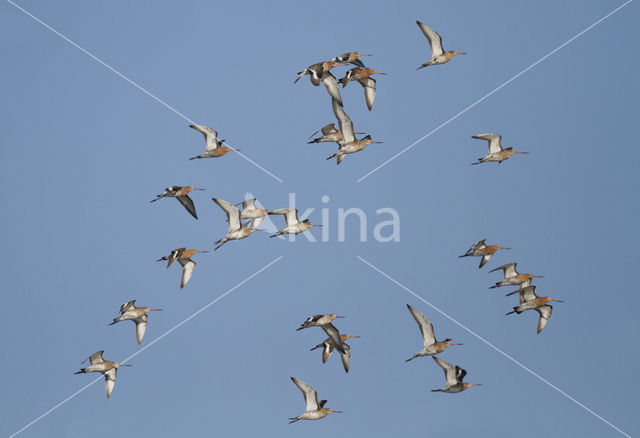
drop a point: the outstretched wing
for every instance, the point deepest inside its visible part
(426, 328)
(345, 123)
(310, 394)
(435, 40)
(210, 135)
(369, 86)
(494, 141)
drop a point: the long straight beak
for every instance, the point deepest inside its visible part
(518, 152)
(340, 316)
(124, 365)
(538, 276)
(379, 142)
(155, 310)
(558, 301)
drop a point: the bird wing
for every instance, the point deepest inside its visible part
(141, 327)
(460, 373)
(327, 350)
(187, 203)
(494, 141)
(232, 212)
(450, 373)
(509, 269)
(545, 314)
(310, 394)
(480, 244)
(484, 260)
(249, 204)
(331, 84)
(435, 40)
(329, 129)
(290, 215)
(426, 328)
(369, 86)
(175, 254)
(346, 357)
(345, 123)
(95, 358)
(210, 135)
(127, 306)
(188, 266)
(527, 294)
(334, 334)
(110, 380)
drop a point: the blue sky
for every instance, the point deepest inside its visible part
(84, 152)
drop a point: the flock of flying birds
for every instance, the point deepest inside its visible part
(252, 215)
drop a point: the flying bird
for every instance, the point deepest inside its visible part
(454, 376)
(182, 194)
(496, 152)
(108, 368)
(237, 230)
(129, 312)
(349, 144)
(293, 225)
(183, 256)
(438, 55)
(481, 249)
(327, 348)
(511, 276)
(214, 146)
(363, 76)
(430, 345)
(350, 58)
(325, 322)
(315, 409)
(530, 301)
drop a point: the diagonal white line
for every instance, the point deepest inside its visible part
(542, 379)
(135, 84)
(184, 321)
(430, 133)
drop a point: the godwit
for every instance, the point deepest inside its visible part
(511, 276)
(237, 230)
(129, 312)
(250, 211)
(108, 368)
(319, 73)
(183, 256)
(350, 58)
(214, 146)
(325, 322)
(482, 249)
(362, 75)
(430, 345)
(438, 55)
(315, 409)
(349, 144)
(182, 194)
(328, 346)
(530, 301)
(454, 376)
(293, 225)
(496, 152)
